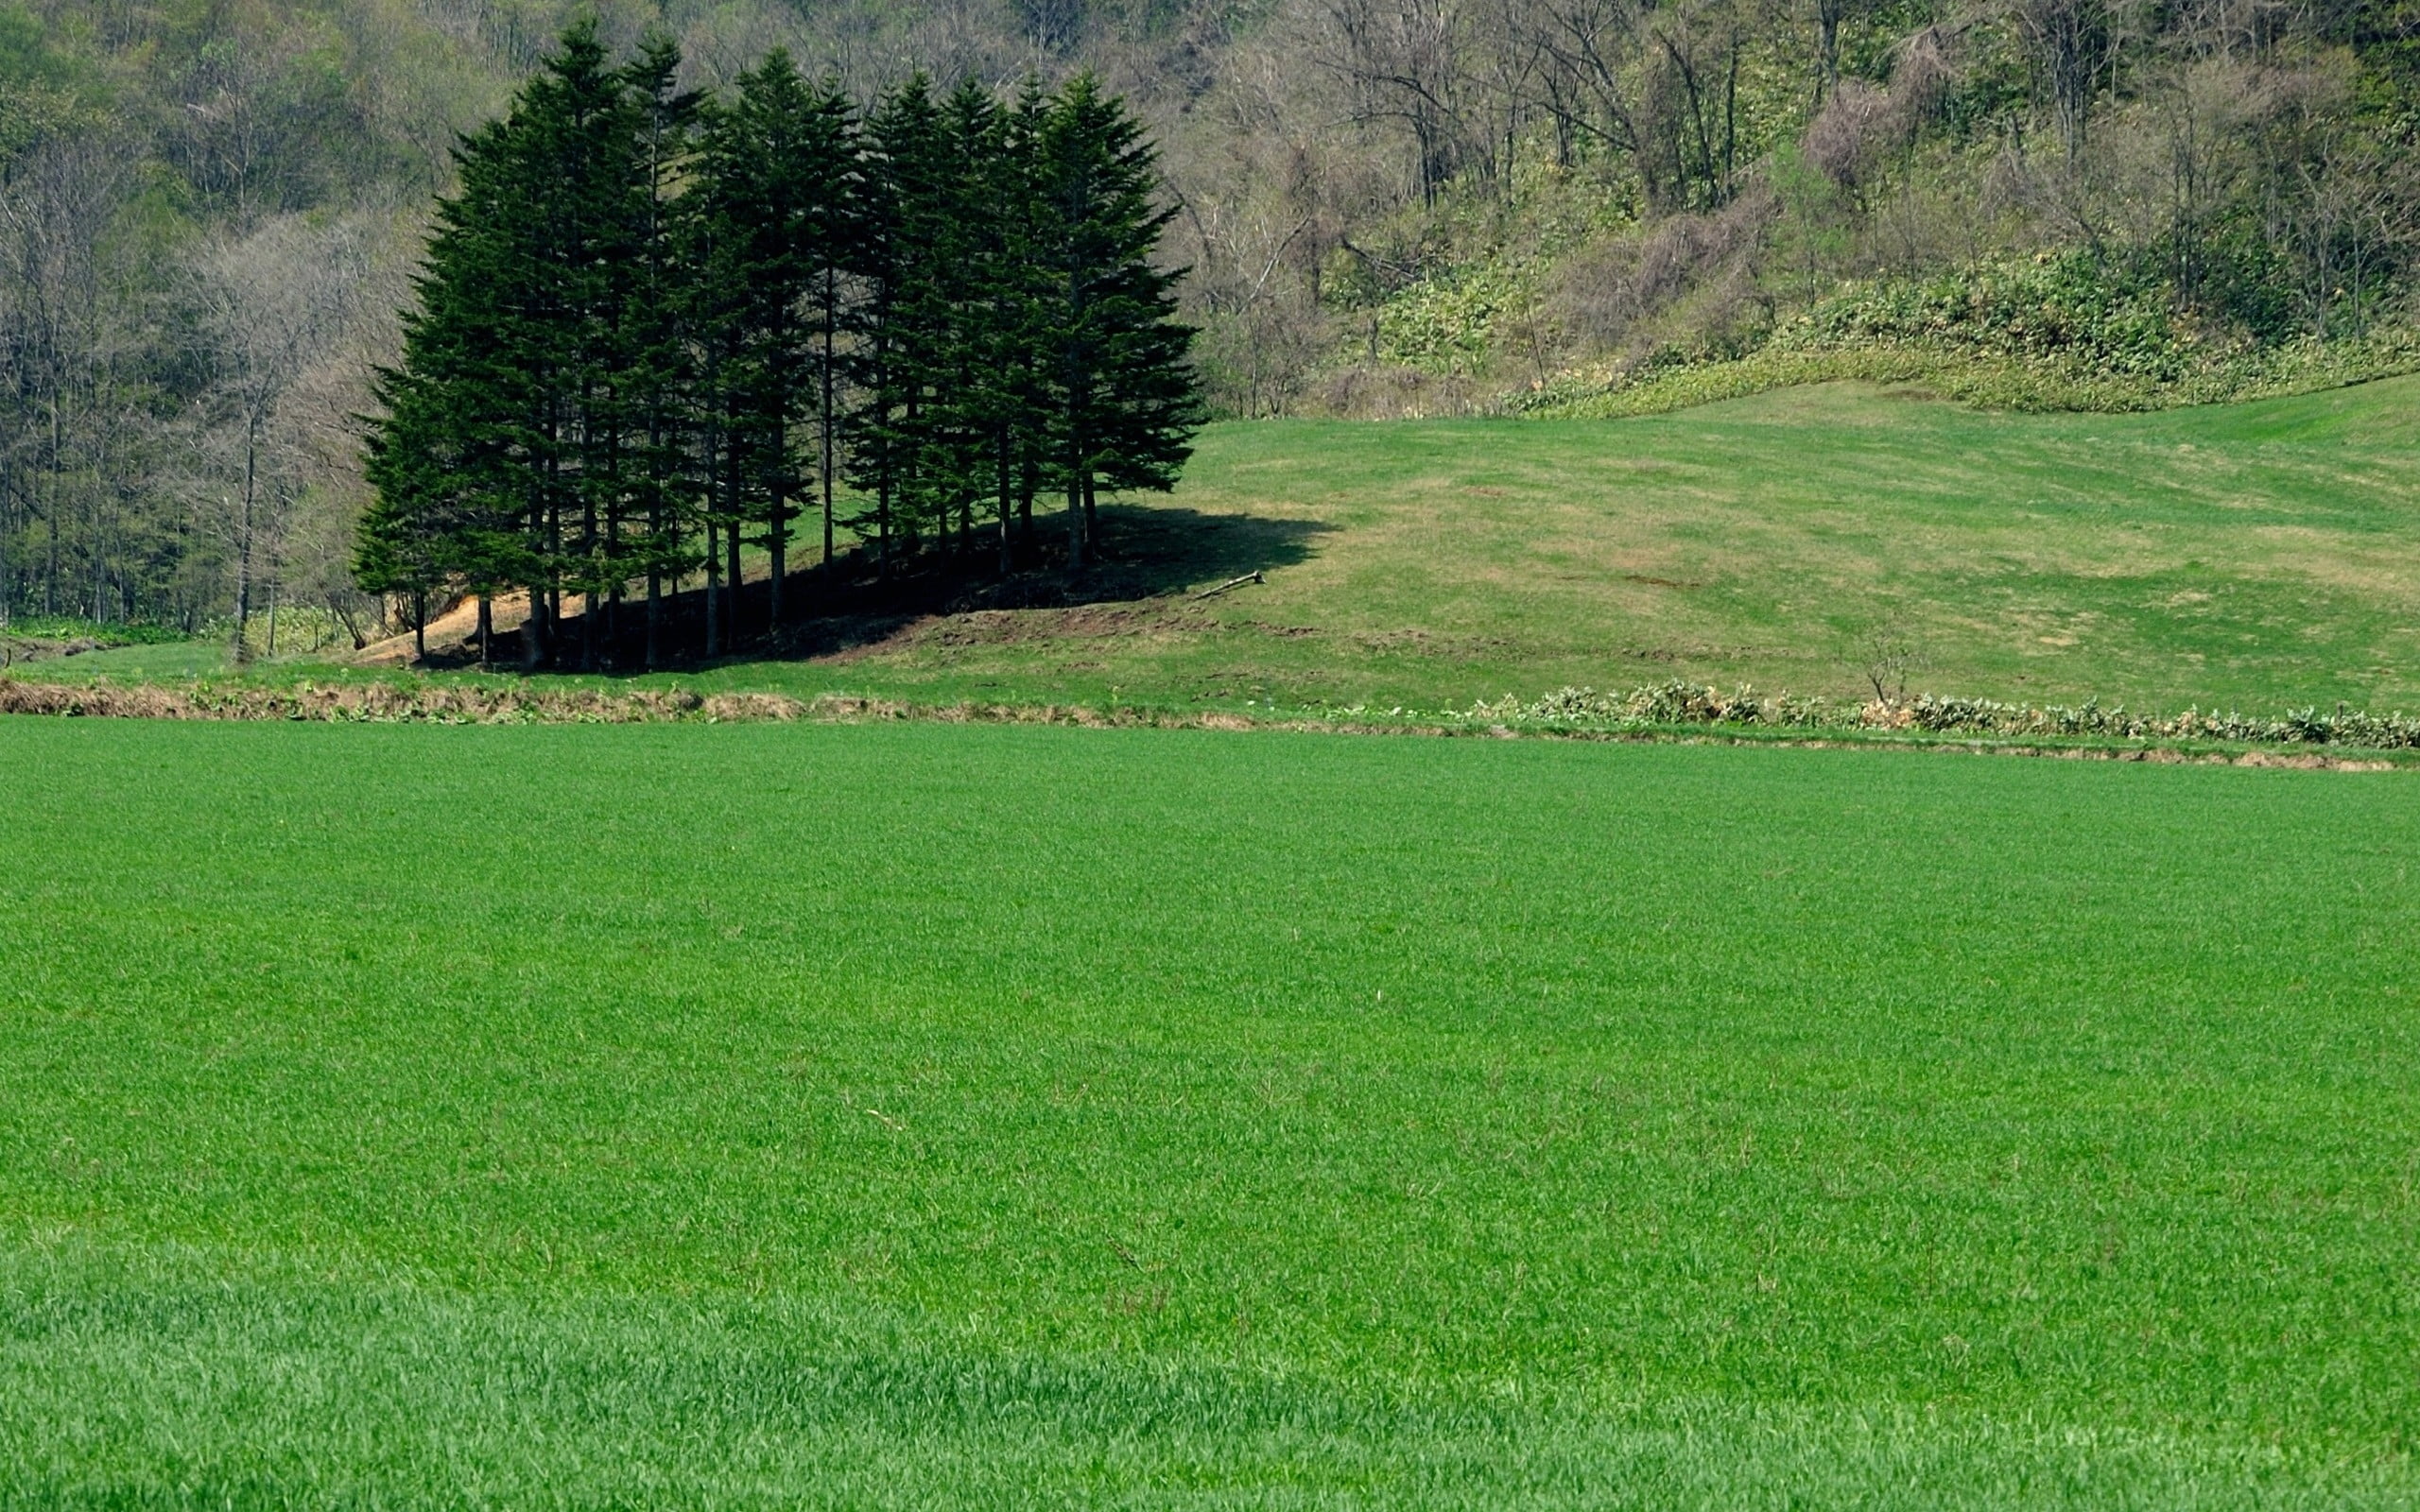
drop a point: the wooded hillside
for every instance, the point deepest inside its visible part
(210, 213)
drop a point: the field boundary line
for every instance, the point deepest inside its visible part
(479, 704)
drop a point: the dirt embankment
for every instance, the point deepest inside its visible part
(389, 703)
(15, 648)
(459, 704)
(453, 630)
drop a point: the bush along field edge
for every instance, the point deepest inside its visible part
(1664, 711)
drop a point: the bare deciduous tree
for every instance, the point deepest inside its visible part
(273, 304)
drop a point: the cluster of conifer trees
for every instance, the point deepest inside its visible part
(655, 327)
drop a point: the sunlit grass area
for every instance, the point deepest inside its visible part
(927, 1115)
(2256, 556)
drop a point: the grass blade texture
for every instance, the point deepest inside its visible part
(946, 1116)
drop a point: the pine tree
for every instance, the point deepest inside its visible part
(403, 545)
(657, 377)
(452, 457)
(901, 323)
(714, 306)
(1124, 401)
(1027, 444)
(583, 129)
(832, 187)
(1003, 292)
(773, 224)
(975, 190)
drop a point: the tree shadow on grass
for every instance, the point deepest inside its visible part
(1145, 553)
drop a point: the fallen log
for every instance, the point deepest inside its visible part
(1231, 583)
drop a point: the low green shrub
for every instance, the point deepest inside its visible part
(2067, 309)
(1678, 703)
(69, 630)
(2058, 335)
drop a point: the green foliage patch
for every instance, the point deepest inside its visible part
(1685, 704)
(43, 631)
(913, 1115)
(2053, 335)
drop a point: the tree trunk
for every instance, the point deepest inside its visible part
(533, 631)
(587, 550)
(8, 476)
(1008, 556)
(777, 527)
(487, 629)
(1092, 521)
(1075, 528)
(242, 547)
(831, 307)
(738, 584)
(654, 618)
(51, 578)
(713, 603)
(779, 547)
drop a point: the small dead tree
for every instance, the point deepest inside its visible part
(1890, 654)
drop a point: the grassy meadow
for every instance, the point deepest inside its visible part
(903, 1116)
(2260, 556)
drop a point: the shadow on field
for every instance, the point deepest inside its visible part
(852, 605)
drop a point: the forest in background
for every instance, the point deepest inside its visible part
(210, 213)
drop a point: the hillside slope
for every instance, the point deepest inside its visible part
(2260, 556)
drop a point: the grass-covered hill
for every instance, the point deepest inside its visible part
(2262, 556)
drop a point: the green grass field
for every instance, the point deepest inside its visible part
(2260, 556)
(905, 1116)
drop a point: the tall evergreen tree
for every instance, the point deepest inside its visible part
(1123, 401)
(773, 224)
(716, 308)
(568, 286)
(902, 322)
(405, 544)
(976, 190)
(1003, 294)
(832, 227)
(657, 377)
(1027, 443)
